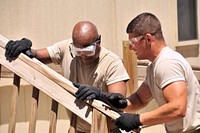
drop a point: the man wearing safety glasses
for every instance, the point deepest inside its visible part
(83, 60)
(87, 52)
(169, 80)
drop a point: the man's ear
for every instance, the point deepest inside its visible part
(149, 37)
(148, 40)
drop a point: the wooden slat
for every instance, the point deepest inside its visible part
(52, 83)
(34, 109)
(46, 85)
(6, 73)
(99, 123)
(130, 63)
(14, 101)
(53, 117)
(73, 121)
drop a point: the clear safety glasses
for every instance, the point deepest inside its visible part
(134, 40)
(88, 51)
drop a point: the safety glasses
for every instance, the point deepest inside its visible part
(88, 51)
(134, 40)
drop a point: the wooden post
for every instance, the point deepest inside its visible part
(99, 122)
(130, 63)
(34, 108)
(53, 116)
(14, 100)
(73, 121)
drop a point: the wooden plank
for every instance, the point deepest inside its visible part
(52, 83)
(34, 109)
(14, 101)
(99, 123)
(130, 63)
(73, 121)
(6, 73)
(46, 85)
(53, 116)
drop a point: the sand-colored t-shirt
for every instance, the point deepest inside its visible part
(170, 67)
(108, 69)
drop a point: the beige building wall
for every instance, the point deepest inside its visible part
(48, 21)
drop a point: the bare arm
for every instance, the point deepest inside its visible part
(176, 97)
(42, 55)
(118, 87)
(139, 99)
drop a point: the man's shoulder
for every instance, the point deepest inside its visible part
(60, 46)
(108, 54)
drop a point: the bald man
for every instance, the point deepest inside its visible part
(83, 60)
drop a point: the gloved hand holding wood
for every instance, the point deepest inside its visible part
(89, 93)
(128, 122)
(14, 48)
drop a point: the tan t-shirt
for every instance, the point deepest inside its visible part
(170, 67)
(107, 70)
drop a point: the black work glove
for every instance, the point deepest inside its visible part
(14, 48)
(116, 99)
(128, 121)
(89, 93)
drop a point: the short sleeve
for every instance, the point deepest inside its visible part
(169, 71)
(57, 50)
(116, 72)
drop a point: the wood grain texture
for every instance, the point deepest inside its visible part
(52, 83)
(14, 101)
(99, 123)
(34, 109)
(53, 116)
(43, 83)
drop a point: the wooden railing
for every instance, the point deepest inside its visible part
(55, 86)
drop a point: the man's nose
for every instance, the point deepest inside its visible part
(83, 56)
